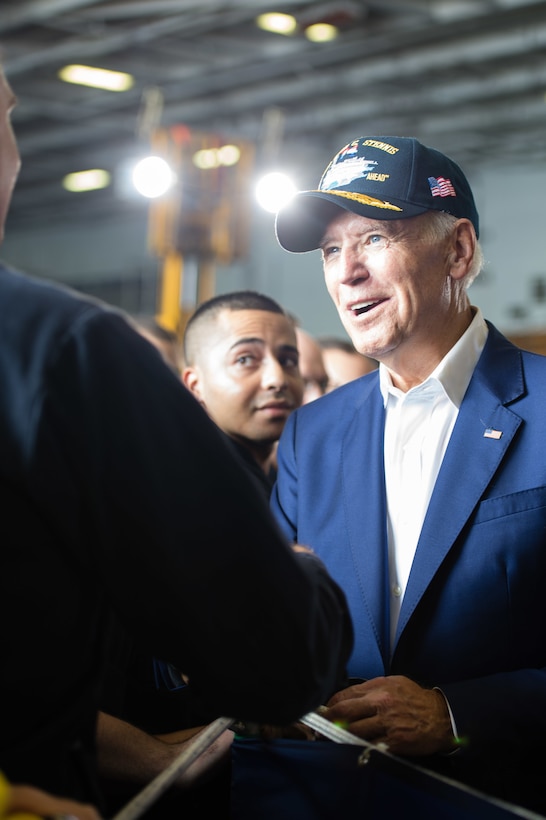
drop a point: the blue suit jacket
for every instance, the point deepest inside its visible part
(473, 619)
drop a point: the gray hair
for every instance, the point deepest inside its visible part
(438, 226)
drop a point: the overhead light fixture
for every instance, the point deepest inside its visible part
(277, 23)
(153, 177)
(96, 77)
(274, 190)
(207, 158)
(92, 180)
(321, 32)
(323, 22)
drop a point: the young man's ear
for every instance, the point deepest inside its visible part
(190, 379)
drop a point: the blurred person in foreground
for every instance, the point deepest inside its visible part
(165, 340)
(342, 362)
(311, 364)
(423, 485)
(120, 494)
(18, 801)
(242, 367)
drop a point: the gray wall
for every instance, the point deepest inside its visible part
(511, 290)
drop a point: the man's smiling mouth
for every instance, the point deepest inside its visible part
(364, 307)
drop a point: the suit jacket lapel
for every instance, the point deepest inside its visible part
(470, 462)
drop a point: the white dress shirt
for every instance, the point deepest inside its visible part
(418, 426)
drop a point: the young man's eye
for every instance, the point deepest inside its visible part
(244, 359)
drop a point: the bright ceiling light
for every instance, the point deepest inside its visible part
(92, 180)
(274, 190)
(207, 158)
(277, 23)
(321, 32)
(229, 155)
(153, 177)
(96, 77)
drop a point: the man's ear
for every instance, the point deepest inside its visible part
(190, 377)
(463, 246)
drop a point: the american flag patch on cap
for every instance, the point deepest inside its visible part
(439, 186)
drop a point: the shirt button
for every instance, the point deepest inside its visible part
(397, 591)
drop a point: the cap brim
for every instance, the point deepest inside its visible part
(300, 225)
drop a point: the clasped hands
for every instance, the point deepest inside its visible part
(393, 711)
(409, 719)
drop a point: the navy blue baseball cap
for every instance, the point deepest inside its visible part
(379, 178)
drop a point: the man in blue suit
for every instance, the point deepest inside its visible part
(423, 484)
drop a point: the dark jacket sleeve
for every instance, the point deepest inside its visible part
(176, 532)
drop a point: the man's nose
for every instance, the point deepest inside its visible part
(352, 264)
(273, 373)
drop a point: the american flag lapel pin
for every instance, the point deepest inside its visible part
(491, 433)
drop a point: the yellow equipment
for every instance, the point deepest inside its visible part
(202, 221)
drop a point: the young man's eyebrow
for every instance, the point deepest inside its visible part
(250, 340)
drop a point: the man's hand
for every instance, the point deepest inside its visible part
(395, 711)
(302, 548)
(28, 801)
